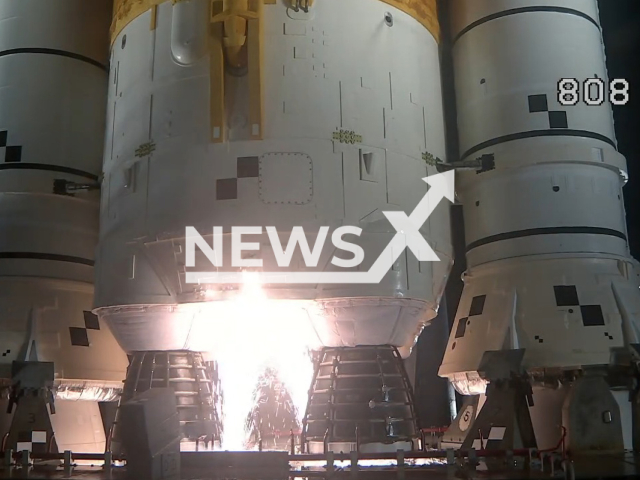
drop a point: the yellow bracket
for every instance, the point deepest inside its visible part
(234, 12)
(234, 24)
(298, 5)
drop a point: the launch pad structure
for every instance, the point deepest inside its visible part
(438, 464)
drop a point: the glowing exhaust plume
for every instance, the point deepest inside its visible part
(274, 414)
(260, 334)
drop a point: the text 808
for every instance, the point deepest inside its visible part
(593, 91)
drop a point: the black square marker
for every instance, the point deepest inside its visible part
(91, 321)
(592, 315)
(79, 337)
(477, 305)
(462, 327)
(248, 167)
(538, 103)
(12, 154)
(566, 295)
(558, 120)
(227, 189)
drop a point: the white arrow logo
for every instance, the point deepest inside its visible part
(408, 236)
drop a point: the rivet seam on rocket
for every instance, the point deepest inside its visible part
(125, 11)
(145, 149)
(346, 136)
(430, 159)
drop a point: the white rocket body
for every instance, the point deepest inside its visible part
(335, 68)
(549, 263)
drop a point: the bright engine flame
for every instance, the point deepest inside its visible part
(260, 333)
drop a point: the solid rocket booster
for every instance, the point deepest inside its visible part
(52, 93)
(549, 268)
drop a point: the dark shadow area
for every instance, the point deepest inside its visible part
(621, 31)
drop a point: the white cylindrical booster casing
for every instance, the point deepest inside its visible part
(549, 264)
(352, 104)
(52, 94)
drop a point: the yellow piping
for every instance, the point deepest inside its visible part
(255, 63)
(154, 18)
(216, 83)
(236, 24)
(235, 15)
